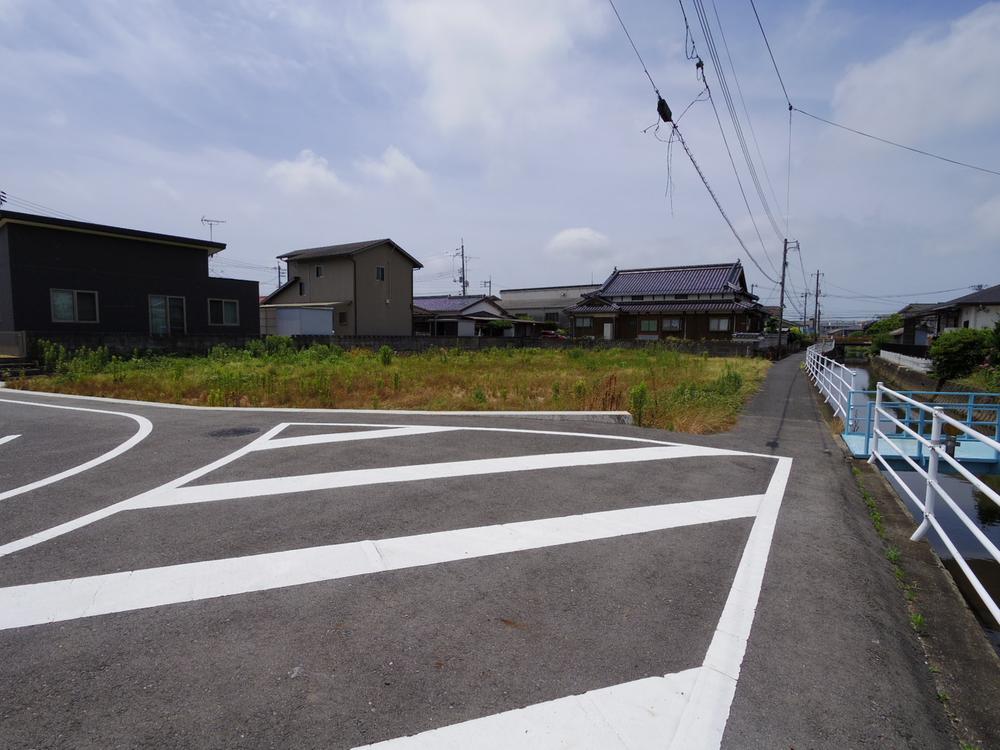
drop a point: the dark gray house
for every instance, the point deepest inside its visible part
(75, 282)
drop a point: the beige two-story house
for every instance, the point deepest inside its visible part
(355, 289)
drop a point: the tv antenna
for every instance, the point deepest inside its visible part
(488, 285)
(210, 223)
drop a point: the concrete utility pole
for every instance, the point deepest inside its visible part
(781, 303)
(816, 311)
(463, 278)
(805, 309)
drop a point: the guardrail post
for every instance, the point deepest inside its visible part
(874, 424)
(932, 477)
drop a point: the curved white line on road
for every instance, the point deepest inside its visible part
(8, 438)
(145, 427)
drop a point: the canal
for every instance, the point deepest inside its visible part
(979, 508)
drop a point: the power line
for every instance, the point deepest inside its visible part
(859, 295)
(898, 145)
(644, 69)
(773, 62)
(39, 207)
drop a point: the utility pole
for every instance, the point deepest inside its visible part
(488, 285)
(816, 311)
(463, 278)
(805, 309)
(781, 303)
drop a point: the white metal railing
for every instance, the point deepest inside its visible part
(936, 451)
(834, 380)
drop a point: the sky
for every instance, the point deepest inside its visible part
(520, 128)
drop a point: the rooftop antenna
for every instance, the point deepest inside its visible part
(488, 285)
(211, 225)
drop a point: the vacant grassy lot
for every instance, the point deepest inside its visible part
(661, 387)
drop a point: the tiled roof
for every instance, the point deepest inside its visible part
(701, 279)
(449, 303)
(349, 248)
(988, 296)
(664, 308)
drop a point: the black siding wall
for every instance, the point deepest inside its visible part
(123, 272)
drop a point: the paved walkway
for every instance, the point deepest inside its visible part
(216, 578)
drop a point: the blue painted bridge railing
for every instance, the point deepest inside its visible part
(977, 411)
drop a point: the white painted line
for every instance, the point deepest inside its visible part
(53, 601)
(446, 470)
(683, 711)
(704, 719)
(638, 714)
(349, 437)
(261, 442)
(381, 412)
(145, 427)
(8, 438)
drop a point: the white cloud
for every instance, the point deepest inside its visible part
(578, 242)
(395, 167)
(987, 216)
(307, 173)
(490, 65)
(930, 85)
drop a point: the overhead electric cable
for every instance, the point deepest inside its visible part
(898, 145)
(643, 64)
(773, 62)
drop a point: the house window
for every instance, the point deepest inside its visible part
(73, 306)
(302, 289)
(342, 318)
(223, 312)
(718, 324)
(584, 322)
(637, 298)
(681, 296)
(671, 324)
(647, 325)
(166, 315)
(319, 272)
(379, 273)
(551, 317)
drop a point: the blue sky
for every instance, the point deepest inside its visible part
(518, 127)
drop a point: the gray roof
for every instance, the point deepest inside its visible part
(449, 303)
(663, 308)
(349, 248)
(701, 279)
(988, 296)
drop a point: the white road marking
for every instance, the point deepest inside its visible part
(347, 437)
(53, 601)
(8, 438)
(681, 711)
(263, 442)
(638, 714)
(145, 427)
(205, 493)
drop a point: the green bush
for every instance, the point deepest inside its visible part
(385, 355)
(956, 354)
(638, 396)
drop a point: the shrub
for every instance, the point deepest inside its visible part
(956, 354)
(385, 355)
(638, 397)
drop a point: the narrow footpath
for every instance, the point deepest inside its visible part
(832, 660)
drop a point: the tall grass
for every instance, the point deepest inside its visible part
(662, 387)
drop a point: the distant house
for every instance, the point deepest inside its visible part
(920, 323)
(355, 289)
(692, 302)
(546, 303)
(77, 281)
(980, 309)
(469, 315)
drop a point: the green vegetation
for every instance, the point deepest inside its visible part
(663, 387)
(969, 353)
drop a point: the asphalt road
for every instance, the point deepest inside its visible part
(175, 577)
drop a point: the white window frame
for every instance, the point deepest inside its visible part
(678, 327)
(167, 297)
(719, 325)
(76, 307)
(223, 301)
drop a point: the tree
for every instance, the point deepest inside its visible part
(957, 353)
